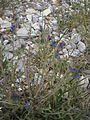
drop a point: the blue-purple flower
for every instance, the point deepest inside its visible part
(57, 53)
(16, 19)
(53, 43)
(77, 74)
(50, 37)
(19, 70)
(27, 55)
(2, 37)
(70, 68)
(41, 28)
(62, 43)
(80, 69)
(14, 96)
(17, 76)
(27, 105)
(12, 28)
(74, 70)
(22, 45)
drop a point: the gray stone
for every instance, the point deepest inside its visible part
(31, 11)
(5, 24)
(20, 65)
(1, 21)
(8, 55)
(5, 42)
(84, 82)
(8, 47)
(75, 37)
(46, 12)
(29, 17)
(36, 26)
(22, 32)
(75, 53)
(81, 46)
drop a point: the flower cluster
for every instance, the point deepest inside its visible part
(74, 70)
(61, 44)
(27, 105)
(53, 43)
(13, 27)
(50, 37)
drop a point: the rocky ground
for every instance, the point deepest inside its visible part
(22, 22)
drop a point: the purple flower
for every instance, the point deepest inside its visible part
(27, 105)
(14, 96)
(62, 43)
(22, 45)
(77, 75)
(19, 70)
(41, 28)
(12, 28)
(2, 37)
(70, 68)
(27, 55)
(16, 25)
(57, 53)
(74, 70)
(50, 37)
(16, 19)
(17, 76)
(53, 43)
(80, 69)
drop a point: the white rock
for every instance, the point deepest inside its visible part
(54, 1)
(5, 24)
(54, 22)
(12, 85)
(84, 82)
(19, 89)
(31, 11)
(8, 55)
(8, 47)
(73, 45)
(5, 42)
(75, 37)
(22, 32)
(20, 65)
(29, 17)
(35, 18)
(1, 21)
(65, 51)
(36, 26)
(81, 46)
(56, 38)
(0, 107)
(46, 12)
(41, 20)
(61, 35)
(75, 53)
(35, 78)
(68, 47)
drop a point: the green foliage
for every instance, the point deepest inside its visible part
(56, 93)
